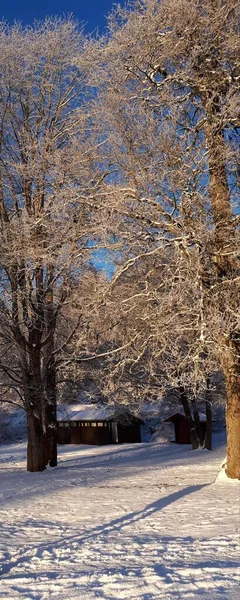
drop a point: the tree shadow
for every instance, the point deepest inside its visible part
(90, 561)
(115, 525)
(96, 469)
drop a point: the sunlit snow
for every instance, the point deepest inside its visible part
(131, 522)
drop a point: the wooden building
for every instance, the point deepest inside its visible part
(182, 427)
(97, 425)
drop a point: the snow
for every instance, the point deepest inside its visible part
(89, 412)
(13, 426)
(222, 475)
(130, 522)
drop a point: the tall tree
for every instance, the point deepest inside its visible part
(170, 80)
(45, 209)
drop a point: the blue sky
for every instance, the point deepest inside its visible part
(91, 12)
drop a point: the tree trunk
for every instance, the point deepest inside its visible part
(233, 426)
(231, 368)
(208, 435)
(33, 396)
(51, 418)
(193, 434)
(50, 407)
(197, 423)
(224, 238)
(35, 448)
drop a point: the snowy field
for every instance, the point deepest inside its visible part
(133, 522)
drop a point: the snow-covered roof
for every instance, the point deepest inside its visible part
(202, 416)
(90, 412)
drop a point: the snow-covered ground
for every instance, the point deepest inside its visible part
(131, 522)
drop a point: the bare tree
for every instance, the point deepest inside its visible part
(48, 177)
(151, 166)
(170, 83)
(151, 318)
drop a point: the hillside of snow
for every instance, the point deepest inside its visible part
(130, 522)
(13, 426)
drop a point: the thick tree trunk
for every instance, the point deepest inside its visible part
(231, 368)
(193, 433)
(218, 188)
(233, 425)
(224, 227)
(226, 267)
(36, 443)
(33, 395)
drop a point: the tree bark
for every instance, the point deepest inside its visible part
(231, 367)
(197, 423)
(50, 407)
(51, 418)
(208, 436)
(35, 447)
(193, 433)
(224, 238)
(33, 394)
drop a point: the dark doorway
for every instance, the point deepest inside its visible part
(129, 434)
